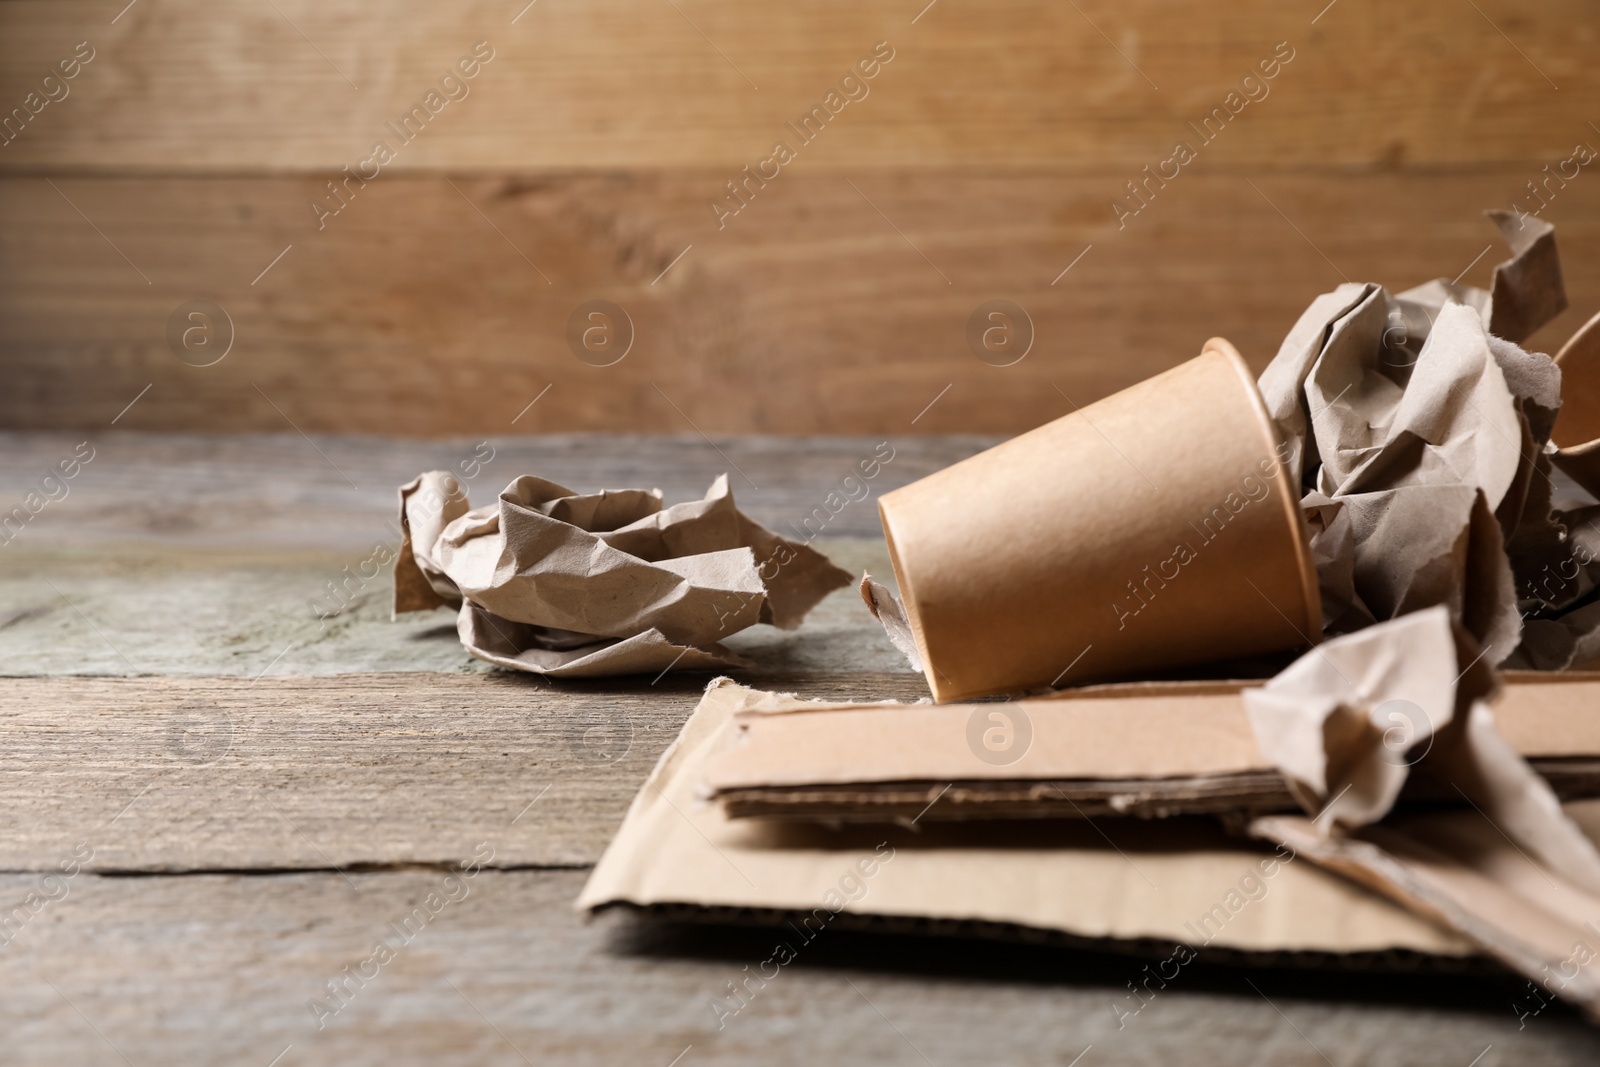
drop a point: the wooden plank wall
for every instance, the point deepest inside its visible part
(180, 162)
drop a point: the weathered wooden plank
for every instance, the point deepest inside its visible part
(158, 774)
(411, 314)
(182, 611)
(184, 606)
(350, 770)
(630, 83)
(207, 969)
(212, 556)
(284, 493)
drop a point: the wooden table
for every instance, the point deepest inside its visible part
(248, 799)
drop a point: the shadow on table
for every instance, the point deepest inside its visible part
(1004, 954)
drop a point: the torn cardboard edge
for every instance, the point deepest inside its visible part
(945, 801)
(1146, 798)
(1177, 881)
(1350, 728)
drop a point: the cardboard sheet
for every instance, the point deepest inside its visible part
(1149, 749)
(1172, 881)
(578, 585)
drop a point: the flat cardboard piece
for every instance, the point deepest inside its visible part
(582, 585)
(1173, 881)
(1153, 530)
(1156, 748)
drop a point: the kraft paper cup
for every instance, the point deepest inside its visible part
(1579, 420)
(1155, 529)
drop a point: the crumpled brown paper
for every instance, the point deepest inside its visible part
(891, 615)
(1420, 431)
(568, 584)
(1364, 717)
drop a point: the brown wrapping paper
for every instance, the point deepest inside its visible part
(1177, 880)
(891, 615)
(1419, 432)
(1154, 529)
(1527, 290)
(579, 585)
(1342, 725)
(1350, 726)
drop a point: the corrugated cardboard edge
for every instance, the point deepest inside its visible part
(1548, 718)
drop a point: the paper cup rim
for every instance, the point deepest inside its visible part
(1580, 336)
(1288, 497)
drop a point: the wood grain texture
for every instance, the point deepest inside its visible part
(170, 611)
(220, 969)
(345, 771)
(190, 561)
(287, 493)
(412, 314)
(631, 83)
(244, 785)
